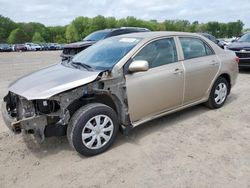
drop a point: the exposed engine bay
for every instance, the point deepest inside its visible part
(49, 117)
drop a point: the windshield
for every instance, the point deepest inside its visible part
(96, 36)
(4, 45)
(245, 38)
(105, 54)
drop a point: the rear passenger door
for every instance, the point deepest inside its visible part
(201, 66)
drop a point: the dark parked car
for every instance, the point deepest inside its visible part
(214, 39)
(44, 46)
(20, 47)
(71, 49)
(51, 46)
(242, 49)
(5, 48)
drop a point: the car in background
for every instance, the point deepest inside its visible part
(5, 48)
(32, 46)
(13, 47)
(242, 49)
(44, 46)
(20, 47)
(58, 46)
(213, 38)
(120, 82)
(223, 43)
(72, 49)
(226, 41)
(51, 46)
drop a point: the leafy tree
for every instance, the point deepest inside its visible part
(6, 26)
(111, 22)
(132, 22)
(98, 23)
(82, 26)
(55, 32)
(246, 30)
(194, 26)
(71, 33)
(213, 28)
(17, 36)
(60, 39)
(31, 28)
(37, 38)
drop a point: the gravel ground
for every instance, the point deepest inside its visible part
(196, 147)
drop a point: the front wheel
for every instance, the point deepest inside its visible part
(218, 94)
(92, 129)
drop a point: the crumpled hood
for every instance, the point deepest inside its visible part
(79, 44)
(50, 81)
(239, 45)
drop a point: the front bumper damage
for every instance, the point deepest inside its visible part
(34, 124)
(22, 115)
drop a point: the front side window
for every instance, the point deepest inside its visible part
(157, 53)
(193, 48)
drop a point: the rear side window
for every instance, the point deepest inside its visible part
(158, 53)
(194, 47)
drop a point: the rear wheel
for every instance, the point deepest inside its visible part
(219, 93)
(92, 129)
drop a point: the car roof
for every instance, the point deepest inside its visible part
(125, 28)
(156, 34)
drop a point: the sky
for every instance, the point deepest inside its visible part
(62, 12)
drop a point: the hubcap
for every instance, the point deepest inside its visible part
(220, 93)
(97, 132)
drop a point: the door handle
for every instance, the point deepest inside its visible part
(214, 63)
(178, 71)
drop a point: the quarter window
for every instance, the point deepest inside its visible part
(193, 48)
(157, 53)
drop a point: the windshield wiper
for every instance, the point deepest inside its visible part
(79, 64)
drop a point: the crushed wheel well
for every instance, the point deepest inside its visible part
(103, 99)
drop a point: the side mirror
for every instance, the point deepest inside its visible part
(138, 66)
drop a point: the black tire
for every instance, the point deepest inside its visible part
(80, 119)
(211, 103)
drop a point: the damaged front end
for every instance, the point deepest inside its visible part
(32, 116)
(50, 117)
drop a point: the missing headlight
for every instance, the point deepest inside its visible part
(46, 106)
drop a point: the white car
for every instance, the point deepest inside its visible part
(32, 47)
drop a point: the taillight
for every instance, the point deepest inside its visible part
(237, 59)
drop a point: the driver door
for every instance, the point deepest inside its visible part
(161, 87)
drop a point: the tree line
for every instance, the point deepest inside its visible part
(12, 32)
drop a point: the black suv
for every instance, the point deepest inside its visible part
(242, 49)
(71, 49)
